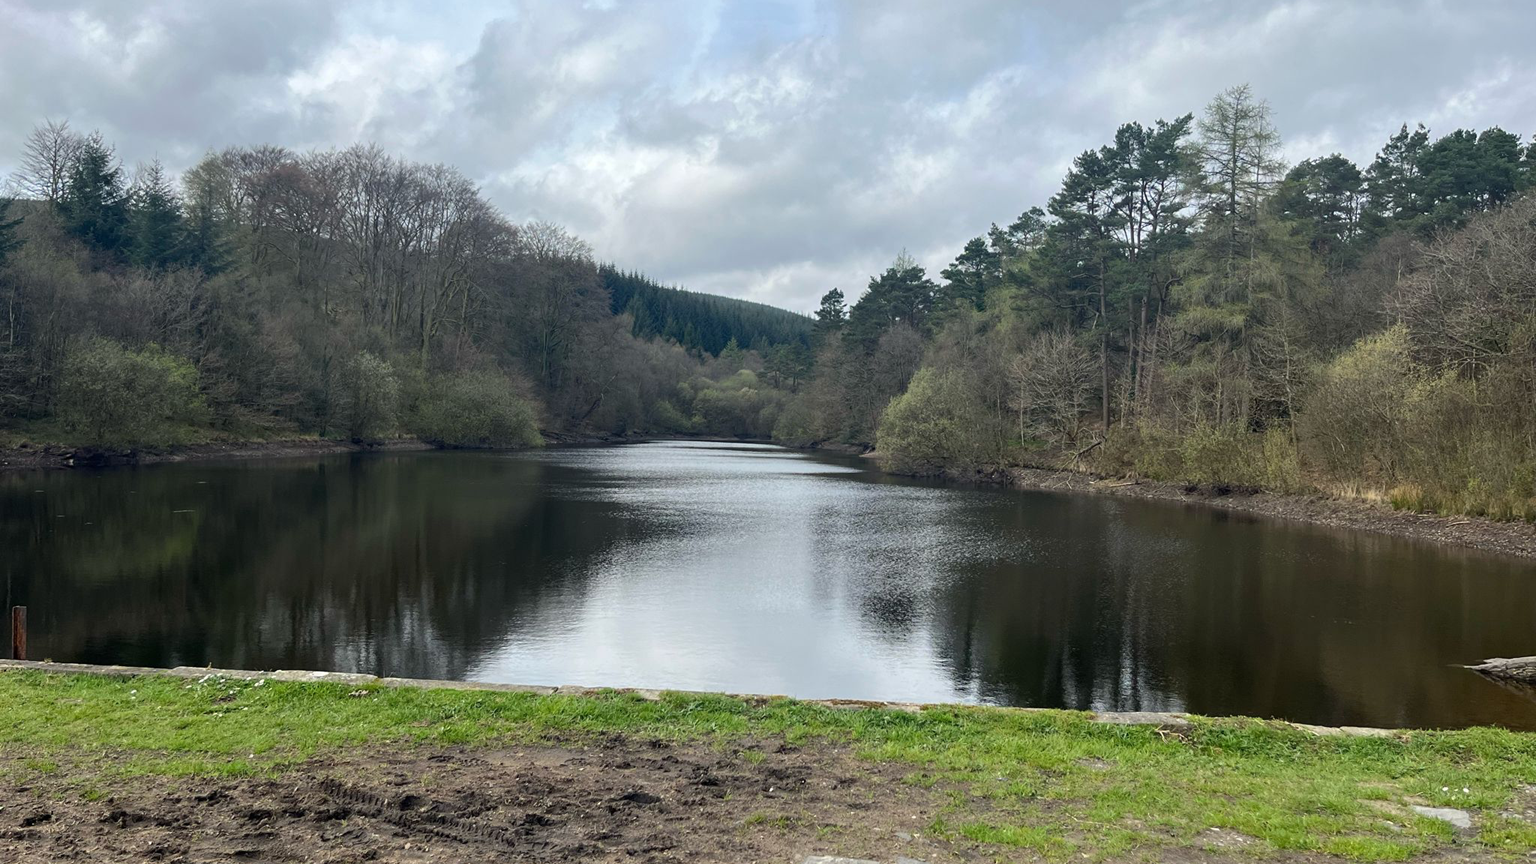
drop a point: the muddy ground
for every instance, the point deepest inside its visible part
(616, 801)
(630, 801)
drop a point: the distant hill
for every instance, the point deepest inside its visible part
(704, 322)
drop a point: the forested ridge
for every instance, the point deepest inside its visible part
(1189, 308)
(345, 294)
(702, 322)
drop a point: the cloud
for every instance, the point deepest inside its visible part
(769, 150)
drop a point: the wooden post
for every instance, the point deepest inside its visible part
(19, 632)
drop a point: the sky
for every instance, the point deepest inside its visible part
(766, 149)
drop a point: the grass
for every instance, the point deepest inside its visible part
(1051, 782)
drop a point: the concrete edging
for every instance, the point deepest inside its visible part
(1159, 719)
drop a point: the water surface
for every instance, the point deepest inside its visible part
(754, 569)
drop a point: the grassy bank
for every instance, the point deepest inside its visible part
(1048, 782)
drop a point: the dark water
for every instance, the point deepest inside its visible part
(753, 569)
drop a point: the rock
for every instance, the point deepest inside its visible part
(905, 860)
(1460, 818)
(1142, 718)
(903, 836)
(828, 859)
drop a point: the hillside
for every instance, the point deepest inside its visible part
(701, 322)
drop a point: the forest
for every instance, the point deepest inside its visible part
(346, 294)
(1189, 308)
(1186, 307)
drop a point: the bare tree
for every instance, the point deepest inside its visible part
(46, 160)
(1050, 384)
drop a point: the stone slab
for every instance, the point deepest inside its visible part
(1460, 818)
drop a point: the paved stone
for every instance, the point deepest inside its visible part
(1141, 718)
(306, 676)
(1460, 818)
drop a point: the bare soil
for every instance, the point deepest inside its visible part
(620, 800)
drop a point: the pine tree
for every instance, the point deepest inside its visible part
(832, 315)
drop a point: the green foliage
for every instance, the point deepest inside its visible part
(114, 396)
(934, 427)
(473, 409)
(1051, 781)
(372, 398)
(95, 202)
(156, 235)
(740, 405)
(1214, 457)
(1355, 421)
(700, 322)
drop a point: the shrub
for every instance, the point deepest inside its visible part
(474, 409)
(373, 396)
(111, 395)
(936, 427)
(1355, 421)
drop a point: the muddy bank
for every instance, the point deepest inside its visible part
(1508, 538)
(59, 456)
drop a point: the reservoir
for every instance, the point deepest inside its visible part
(754, 569)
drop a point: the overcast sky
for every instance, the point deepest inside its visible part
(768, 149)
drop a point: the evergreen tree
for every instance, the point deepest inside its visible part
(977, 268)
(9, 241)
(95, 205)
(902, 294)
(1393, 190)
(156, 230)
(831, 316)
(1323, 197)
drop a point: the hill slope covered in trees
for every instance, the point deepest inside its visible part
(701, 322)
(341, 293)
(1187, 308)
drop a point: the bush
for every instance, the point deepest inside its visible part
(373, 396)
(111, 395)
(1215, 456)
(936, 427)
(474, 409)
(1355, 422)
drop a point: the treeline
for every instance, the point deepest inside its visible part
(1186, 308)
(701, 322)
(341, 293)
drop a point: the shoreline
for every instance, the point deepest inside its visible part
(48, 457)
(1516, 539)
